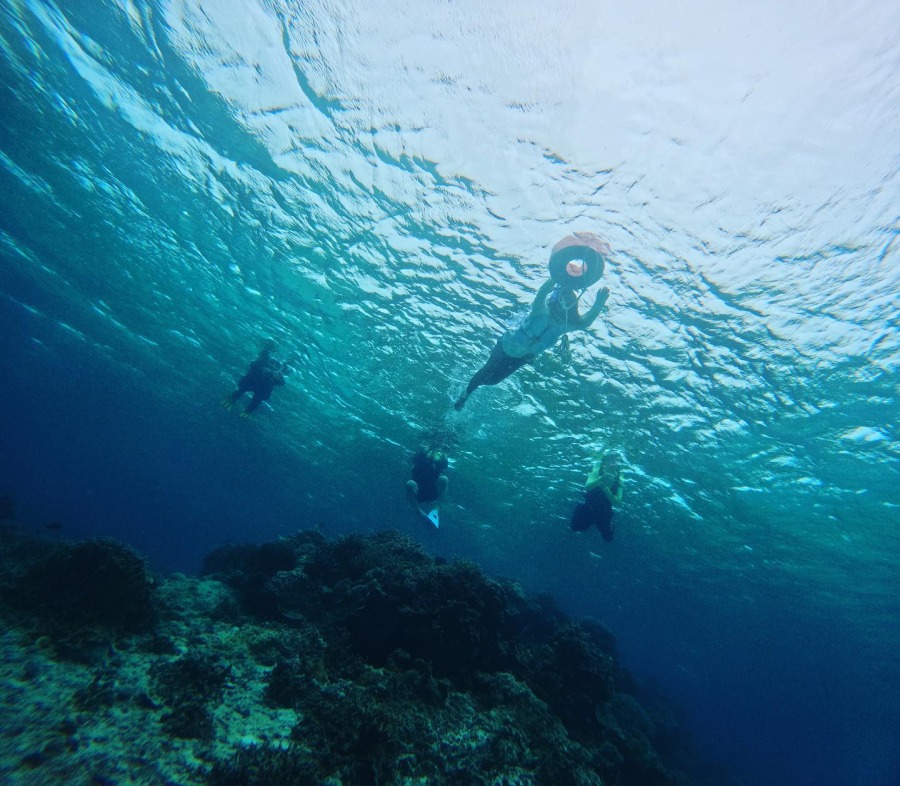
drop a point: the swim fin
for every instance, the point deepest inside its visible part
(432, 515)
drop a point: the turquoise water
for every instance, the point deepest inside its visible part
(377, 186)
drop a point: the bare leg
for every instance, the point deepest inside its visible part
(498, 367)
(412, 493)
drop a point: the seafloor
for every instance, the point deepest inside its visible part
(305, 661)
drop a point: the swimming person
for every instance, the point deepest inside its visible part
(602, 489)
(428, 484)
(262, 377)
(576, 262)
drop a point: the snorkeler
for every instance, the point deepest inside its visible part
(428, 484)
(264, 375)
(602, 488)
(576, 262)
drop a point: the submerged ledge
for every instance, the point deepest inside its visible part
(361, 660)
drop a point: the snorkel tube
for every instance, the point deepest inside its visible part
(576, 261)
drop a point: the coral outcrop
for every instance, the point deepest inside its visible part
(80, 597)
(306, 661)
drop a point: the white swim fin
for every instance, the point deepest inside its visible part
(432, 515)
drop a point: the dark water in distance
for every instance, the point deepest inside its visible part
(378, 188)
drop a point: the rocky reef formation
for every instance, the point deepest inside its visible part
(305, 661)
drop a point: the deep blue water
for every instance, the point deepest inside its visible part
(377, 187)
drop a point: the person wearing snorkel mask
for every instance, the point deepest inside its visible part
(602, 490)
(427, 487)
(576, 262)
(262, 377)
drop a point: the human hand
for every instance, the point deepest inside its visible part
(602, 296)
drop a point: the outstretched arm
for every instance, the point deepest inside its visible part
(540, 299)
(593, 477)
(593, 312)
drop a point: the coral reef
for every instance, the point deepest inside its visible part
(80, 596)
(187, 686)
(356, 661)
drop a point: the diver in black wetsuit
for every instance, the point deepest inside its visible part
(428, 484)
(602, 488)
(428, 481)
(264, 375)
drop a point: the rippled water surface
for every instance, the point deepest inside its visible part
(377, 185)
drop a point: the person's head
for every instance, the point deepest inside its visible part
(613, 462)
(563, 300)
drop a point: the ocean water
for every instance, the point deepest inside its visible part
(377, 186)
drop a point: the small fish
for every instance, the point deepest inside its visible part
(55, 526)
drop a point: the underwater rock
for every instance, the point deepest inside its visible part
(403, 633)
(197, 676)
(99, 693)
(247, 568)
(78, 591)
(186, 686)
(258, 765)
(355, 661)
